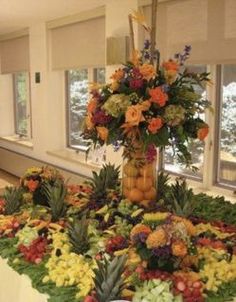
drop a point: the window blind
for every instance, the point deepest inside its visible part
(207, 25)
(78, 45)
(14, 54)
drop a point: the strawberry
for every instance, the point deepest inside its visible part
(181, 286)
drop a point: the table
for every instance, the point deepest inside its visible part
(15, 287)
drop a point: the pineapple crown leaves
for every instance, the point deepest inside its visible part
(182, 198)
(13, 197)
(108, 280)
(78, 234)
(56, 195)
(107, 178)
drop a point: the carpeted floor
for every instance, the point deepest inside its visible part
(7, 179)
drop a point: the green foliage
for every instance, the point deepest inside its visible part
(78, 234)
(214, 209)
(13, 199)
(56, 195)
(226, 292)
(108, 279)
(106, 179)
(162, 186)
(181, 198)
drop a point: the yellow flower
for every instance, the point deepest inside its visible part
(187, 223)
(179, 249)
(156, 239)
(115, 85)
(139, 229)
(88, 122)
(102, 133)
(147, 71)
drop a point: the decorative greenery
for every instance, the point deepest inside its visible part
(13, 200)
(108, 279)
(56, 196)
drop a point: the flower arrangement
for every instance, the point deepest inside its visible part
(163, 241)
(158, 107)
(32, 181)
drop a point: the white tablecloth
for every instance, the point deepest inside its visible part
(15, 287)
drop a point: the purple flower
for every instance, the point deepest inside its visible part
(136, 83)
(163, 252)
(101, 118)
(151, 153)
(147, 44)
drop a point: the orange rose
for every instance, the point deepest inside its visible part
(114, 86)
(179, 249)
(145, 105)
(171, 65)
(92, 105)
(155, 124)
(118, 75)
(202, 133)
(32, 185)
(133, 115)
(147, 71)
(88, 122)
(102, 133)
(158, 96)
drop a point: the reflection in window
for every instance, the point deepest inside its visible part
(21, 104)
(196, 148)
(77, 97)
(227, 144)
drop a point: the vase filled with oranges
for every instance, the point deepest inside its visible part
(139, 179)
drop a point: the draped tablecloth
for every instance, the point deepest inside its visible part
(15, 287)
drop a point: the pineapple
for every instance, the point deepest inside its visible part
(56, 196)
(108, 279)
(78, 234)
(181, 198)
(106, 179)
(13, 199)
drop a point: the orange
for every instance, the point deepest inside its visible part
(129, 182)
(144, 183)
(151, 194)
(146, 170)
(126, 192)
(130, 170)
(135, 195)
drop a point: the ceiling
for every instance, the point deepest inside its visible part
(18, 14)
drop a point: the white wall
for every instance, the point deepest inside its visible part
(48, 99)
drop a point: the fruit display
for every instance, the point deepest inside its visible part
(104, 247)
(139, 176)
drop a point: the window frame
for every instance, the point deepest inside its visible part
(218, 116)
(210, 179)
(91, 78)
(28, 106)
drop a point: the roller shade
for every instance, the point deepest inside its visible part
(78, 45)
(14, 54)
(207, 25)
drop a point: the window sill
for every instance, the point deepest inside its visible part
(15, 139)
(73, 156)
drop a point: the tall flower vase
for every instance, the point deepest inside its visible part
(140, 174)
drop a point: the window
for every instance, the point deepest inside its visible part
(77, 96)
(22, 104)
(196, 147)
(226, 172)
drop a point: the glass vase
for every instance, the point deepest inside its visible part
(139, 179)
